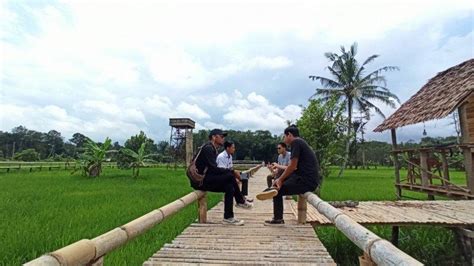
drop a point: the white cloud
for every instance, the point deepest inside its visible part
(256, 112)
(191, 110)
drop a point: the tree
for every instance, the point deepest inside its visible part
(94, 156)
(140, 158)
(28, 155)
(134, 143)
(351, 86)
(321, 125)
(78, 139)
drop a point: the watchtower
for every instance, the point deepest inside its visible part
(181, 139)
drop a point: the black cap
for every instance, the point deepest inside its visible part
(217, 131)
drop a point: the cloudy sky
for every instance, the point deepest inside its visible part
(112, 68)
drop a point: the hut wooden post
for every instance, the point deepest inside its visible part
(302, 206)
(425, 176)
(466, 116)
(469, 165)
(445, 167)
(396, 164)
(424, 168)
(202, 208)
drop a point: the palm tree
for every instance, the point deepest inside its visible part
(354, 88)
(140, 158)
(94, 155)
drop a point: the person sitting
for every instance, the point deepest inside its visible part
(301, 175)
(282, 162)
(218, 179)
(224, 160)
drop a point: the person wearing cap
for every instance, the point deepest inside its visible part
(224, 160)
(218, 179)
(299, 177)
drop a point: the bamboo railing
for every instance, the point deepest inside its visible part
(93, 251)
(381, 251)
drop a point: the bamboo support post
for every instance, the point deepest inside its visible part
(379, 250)
(301, 209)
(202, 209)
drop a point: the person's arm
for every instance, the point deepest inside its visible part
(279, 166)
(288, 171)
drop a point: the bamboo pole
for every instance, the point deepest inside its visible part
(379, 250)
(301, 209)
(202, 209)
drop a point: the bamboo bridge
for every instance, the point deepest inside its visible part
(209, 242)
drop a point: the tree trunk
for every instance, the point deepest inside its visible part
(348, 143)
(94, 170)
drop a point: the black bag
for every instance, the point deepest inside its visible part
(192, 171)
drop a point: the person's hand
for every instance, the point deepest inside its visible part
(278, 183)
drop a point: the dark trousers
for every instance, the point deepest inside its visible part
(245, 187)
(293, 185)
(223, 183)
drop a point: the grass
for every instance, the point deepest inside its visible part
(430, 245)
(43, 211)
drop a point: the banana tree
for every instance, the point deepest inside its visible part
(140, 158)
(94, 156)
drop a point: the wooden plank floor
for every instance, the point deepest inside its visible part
(407, 212)
(253, 243)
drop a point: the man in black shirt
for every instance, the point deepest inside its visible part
(219, 179)
(301, 176)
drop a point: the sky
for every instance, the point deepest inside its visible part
(113, 68)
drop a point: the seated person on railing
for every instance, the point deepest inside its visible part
(224, 160)
(301, 176)
(218, 179)
(278, 168)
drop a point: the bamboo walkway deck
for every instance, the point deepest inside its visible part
(253, 243)
(439, 212)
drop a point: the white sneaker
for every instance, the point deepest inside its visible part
(245, 205)
(233, 221)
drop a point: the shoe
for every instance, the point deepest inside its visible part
(268, 193)
(248, 199)
(233, 221)
(245, 205)
(275, 222)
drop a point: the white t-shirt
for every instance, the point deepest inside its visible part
(224, 160)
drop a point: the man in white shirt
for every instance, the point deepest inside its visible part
(224, 160)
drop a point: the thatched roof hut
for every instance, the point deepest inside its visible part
(438, 98)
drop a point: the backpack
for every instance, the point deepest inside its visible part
(192, 171)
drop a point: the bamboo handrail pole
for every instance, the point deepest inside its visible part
(380, 250)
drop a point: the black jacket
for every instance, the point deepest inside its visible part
(207, 158)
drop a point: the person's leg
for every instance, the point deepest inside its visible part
(222, 184)
(292, 185)
(245, 187)
(269, 180)
(239, 198)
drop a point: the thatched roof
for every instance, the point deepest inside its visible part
(436, 99)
